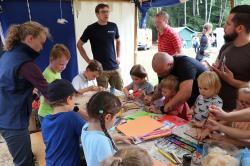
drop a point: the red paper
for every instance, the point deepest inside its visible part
(174, 119)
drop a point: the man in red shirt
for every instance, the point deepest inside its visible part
(168, 40)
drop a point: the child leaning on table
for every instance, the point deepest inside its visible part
(209, 87)
(237, 131)
(58, 60)
(140, 86)
(97, 143)
(86, 81)
(169, 87)
(61, 130)
(131, 156)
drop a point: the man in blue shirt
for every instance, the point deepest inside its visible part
(102, 35)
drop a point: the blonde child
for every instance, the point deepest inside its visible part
(97, 144)
(209, 87)
(169, 87)
(131, 156)
(58, 60)
(237, 131)
(140, 85)
(61, 130)
(86, 81)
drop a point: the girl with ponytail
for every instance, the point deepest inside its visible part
(97, 143)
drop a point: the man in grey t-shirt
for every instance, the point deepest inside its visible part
(233, 63)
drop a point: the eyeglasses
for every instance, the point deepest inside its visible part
(104, 11)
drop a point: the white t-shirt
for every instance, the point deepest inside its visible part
(80, 82)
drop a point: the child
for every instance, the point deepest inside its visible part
(209, 87)
(236, 130)
(58, 60)
(131, 156)
(169, 87)
(86, 81)
(97, 144)
(62, 129)
(140, 85)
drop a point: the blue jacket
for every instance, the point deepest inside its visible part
(15, 91)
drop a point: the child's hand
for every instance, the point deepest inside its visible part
(154, 109)
(217, 113)
(203, 134)
(93, 88)
(198, 124)
(131, 97)
(124, 139)
(148, 100)
(100, 88)
(213, 125)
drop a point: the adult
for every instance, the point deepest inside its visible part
(204, 41)
(168, 40)
(101, 35)
(233, 62)
(18, 76)
(186, 69)
(196, 43)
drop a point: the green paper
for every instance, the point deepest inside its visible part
(138, 114)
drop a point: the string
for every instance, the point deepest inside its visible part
(28, 6)
(61, 8)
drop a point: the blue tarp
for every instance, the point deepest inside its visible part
(153, 3)
(45, 12)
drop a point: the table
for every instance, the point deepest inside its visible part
(149, 145)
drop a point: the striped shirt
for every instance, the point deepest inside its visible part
(169, 41)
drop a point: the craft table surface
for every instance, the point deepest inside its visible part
(148, 145)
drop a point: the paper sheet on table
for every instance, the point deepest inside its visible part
(138, 114)
(174, 119)
(139, 126)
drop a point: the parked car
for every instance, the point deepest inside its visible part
(144, 39)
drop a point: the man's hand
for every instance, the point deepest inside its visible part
(118, 60)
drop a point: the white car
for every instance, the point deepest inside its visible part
(144, 39)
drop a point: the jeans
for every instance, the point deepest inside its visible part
(19, 145)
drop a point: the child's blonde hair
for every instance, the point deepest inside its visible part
(138, 71)
(170, 82)
(58, 51)
(211, 80)
(131, 156)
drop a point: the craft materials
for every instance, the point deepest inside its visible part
(174, 119)
(176, 145)
(167, 155)
(139, 127)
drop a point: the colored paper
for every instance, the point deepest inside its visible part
(138, 114)
(139, 127)
(174, 119)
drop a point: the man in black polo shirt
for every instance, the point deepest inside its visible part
(186, 69)
(102, 35)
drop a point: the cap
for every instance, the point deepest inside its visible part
(59, 89)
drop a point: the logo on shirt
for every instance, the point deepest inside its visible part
(111, 31)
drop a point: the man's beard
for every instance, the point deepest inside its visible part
(230, 37)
